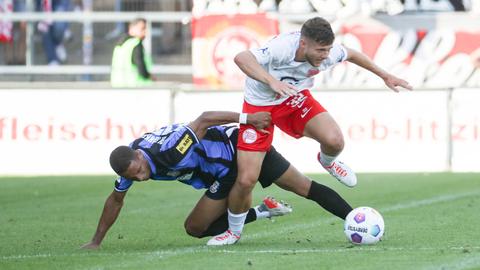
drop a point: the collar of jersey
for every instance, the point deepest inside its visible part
(152, 166)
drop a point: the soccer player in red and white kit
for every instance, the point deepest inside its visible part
(279, 77)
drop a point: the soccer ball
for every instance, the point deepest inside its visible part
(364, 225)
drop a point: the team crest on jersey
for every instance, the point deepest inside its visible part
(214, 187)
(249, 136)
(313, 72)
(184, 144)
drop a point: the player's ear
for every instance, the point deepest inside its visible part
(302, 42)
(138, 155)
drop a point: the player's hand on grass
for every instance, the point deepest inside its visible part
(283, 88)
(90, 245)
(393, 83)
(260, 120)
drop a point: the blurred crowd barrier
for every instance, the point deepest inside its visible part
(421, 131)
(427, 50)
(425, 41)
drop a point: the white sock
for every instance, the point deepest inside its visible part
(236, 222)
(326, 160)
(261, 214)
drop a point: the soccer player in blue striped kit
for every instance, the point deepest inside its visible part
(203, 155)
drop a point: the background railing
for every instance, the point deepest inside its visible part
(169, 38)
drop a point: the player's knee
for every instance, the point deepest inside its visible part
(335, 142)
(247, 182)
(193, 230)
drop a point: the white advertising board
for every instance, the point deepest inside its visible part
(383, 130)
(47, 132)
(73, 131)
(466, 130)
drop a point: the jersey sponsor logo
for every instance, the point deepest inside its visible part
(214, 187)
(249, 136)
(297, 101)
(184, 144)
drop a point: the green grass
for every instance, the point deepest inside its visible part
(432, 222)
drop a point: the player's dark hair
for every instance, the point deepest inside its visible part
(319, 30)
(136, 21)
(120, 158)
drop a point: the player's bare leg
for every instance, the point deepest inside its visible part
(209, 217)
(240, 197)
(205, 212)
(323, 128)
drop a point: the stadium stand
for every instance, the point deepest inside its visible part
(170, 30)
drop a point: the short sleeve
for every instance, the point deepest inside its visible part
(274, 52)
(122, 184)
(338, 53)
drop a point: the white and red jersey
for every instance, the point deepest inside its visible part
(277, 57)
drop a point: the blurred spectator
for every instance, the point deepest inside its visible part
(6, 6)
(15, 47)
(54, 33)
(130, 64)
(119, 27)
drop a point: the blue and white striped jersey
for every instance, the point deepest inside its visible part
(175, 153)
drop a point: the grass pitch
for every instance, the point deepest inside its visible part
(432, 222)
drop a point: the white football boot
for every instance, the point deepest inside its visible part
(341, 172)
(226, 238)
(274, 207)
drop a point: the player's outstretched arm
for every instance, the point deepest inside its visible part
(111, 210)
(365, 62)
(259, 120)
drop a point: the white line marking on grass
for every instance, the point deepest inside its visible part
(340, 250)
(401, 206)
(163, 254)
(166, 254)
(197, 249)
(460, 264)
(434, 200)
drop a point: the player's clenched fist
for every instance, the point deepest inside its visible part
(260, 120)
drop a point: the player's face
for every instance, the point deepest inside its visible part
(139, 169)
(315, 52)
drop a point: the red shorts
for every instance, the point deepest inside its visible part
(291, 116)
